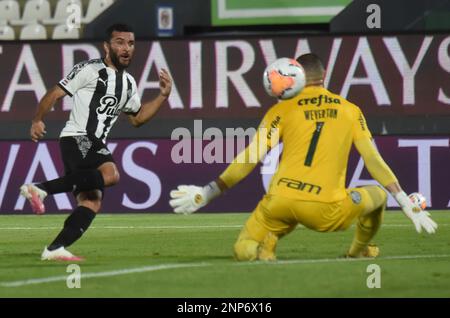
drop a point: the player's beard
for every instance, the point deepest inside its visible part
(116, 61)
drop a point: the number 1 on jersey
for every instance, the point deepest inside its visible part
(313, 144)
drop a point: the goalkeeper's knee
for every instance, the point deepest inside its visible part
(378, 196)
(246, 250)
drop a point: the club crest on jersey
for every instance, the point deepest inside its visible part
(356, 197)
(108, 106)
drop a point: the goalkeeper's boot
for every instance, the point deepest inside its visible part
(60, 254)
(35, 196)
(267, 248)
(371, 251)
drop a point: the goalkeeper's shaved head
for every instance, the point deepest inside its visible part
(314, 70)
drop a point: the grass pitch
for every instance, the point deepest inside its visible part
(168, 255)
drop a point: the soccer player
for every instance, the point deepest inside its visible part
(317, 129)
(101, 89)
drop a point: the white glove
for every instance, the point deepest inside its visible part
(419, 217)
(187, 199)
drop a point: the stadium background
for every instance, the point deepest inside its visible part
(216, 52)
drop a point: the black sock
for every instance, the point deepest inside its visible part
(75, 225)
(83, 180)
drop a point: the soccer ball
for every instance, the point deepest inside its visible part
(284, 78)
(418, 199)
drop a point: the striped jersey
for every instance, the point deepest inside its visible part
(99, 95)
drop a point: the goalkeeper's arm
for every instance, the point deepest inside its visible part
(381, 172)
(189, 198)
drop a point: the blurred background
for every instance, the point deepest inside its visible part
(391, 58)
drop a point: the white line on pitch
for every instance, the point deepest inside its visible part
(336, 260)
(152, 268)
(176, 227)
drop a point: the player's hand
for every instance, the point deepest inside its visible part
(37, 130)
(165, 83)
(187, 199)
(420, 218)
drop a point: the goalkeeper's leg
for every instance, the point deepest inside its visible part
(374, 199)
(270, 221)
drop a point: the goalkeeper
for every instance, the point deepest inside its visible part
(317, 129)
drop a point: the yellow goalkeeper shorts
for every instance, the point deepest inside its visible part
(281, 215)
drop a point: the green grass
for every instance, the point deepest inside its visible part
(412, 265)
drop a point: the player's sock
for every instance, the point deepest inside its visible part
(75, 225)
(83, 180)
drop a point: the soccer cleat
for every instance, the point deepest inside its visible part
(60, 254)
(35, 196)
(371, 251)
(267, 248)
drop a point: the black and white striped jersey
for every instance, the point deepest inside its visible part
(99, 94)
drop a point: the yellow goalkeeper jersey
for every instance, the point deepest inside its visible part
(317, 129)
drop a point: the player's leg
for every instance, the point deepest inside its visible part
(110, 173)
(83, 180)
(88, 205)
(76, 224)
(369, 218)
(88, 202)
(270, 221)
(88, 166)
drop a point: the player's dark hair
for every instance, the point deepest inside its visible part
(311, 63)
(313, 67)
(118, 27)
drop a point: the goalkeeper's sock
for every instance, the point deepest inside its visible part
(75, 225)
(366, 228)
(80, 180)
(368, 223)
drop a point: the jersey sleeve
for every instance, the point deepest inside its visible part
(269, 129)
(133, 104)
(360, 129)
(79, 77)
(266, 137)
(374, 163)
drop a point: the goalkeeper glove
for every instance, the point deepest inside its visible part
(187, 199)
(419, 217)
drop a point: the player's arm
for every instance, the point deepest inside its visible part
(189, 198)
(148, 110)
(37, 130)
(246, 161)
(381, 172)
(79, 77)
(375, 164)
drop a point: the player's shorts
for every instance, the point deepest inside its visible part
(281, 215)
(83, 152)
